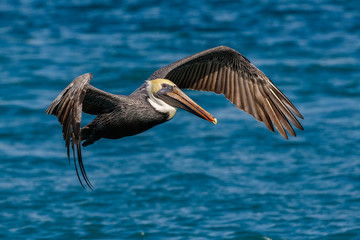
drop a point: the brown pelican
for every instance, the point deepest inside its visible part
(221, 70)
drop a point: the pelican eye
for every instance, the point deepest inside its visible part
(166, 86)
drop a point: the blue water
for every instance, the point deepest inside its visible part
(186, 179)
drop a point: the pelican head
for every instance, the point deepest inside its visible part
(166, 97)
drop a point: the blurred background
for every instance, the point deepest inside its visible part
(186, 179)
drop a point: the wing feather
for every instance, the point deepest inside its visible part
(232, 86)
(197, 75)
(205, 82)
(214, 77)
(242, 93)
(225, 71)
(202, 76)
(209, 78)
(251, 95)
(192, 73)
(265, 117)
(220, 85)
(289, 115)
(274, 118)
(182, 76)
(79, 96)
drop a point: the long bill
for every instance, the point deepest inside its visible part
(177, 98)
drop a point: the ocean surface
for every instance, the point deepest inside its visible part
(185, 179)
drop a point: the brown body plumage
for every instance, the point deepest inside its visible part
(221, 70)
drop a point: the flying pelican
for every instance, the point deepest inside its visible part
(221, 70)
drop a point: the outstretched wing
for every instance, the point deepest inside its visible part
(79, 96)
(225, 71)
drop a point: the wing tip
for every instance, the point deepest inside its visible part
(87, 75)
(285, 136)
(71, 119)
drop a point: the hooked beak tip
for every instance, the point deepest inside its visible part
(214, 121)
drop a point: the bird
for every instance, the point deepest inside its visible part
(221, 70)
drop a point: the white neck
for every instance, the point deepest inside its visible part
(159, 104)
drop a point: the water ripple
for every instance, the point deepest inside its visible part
(235, 180)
